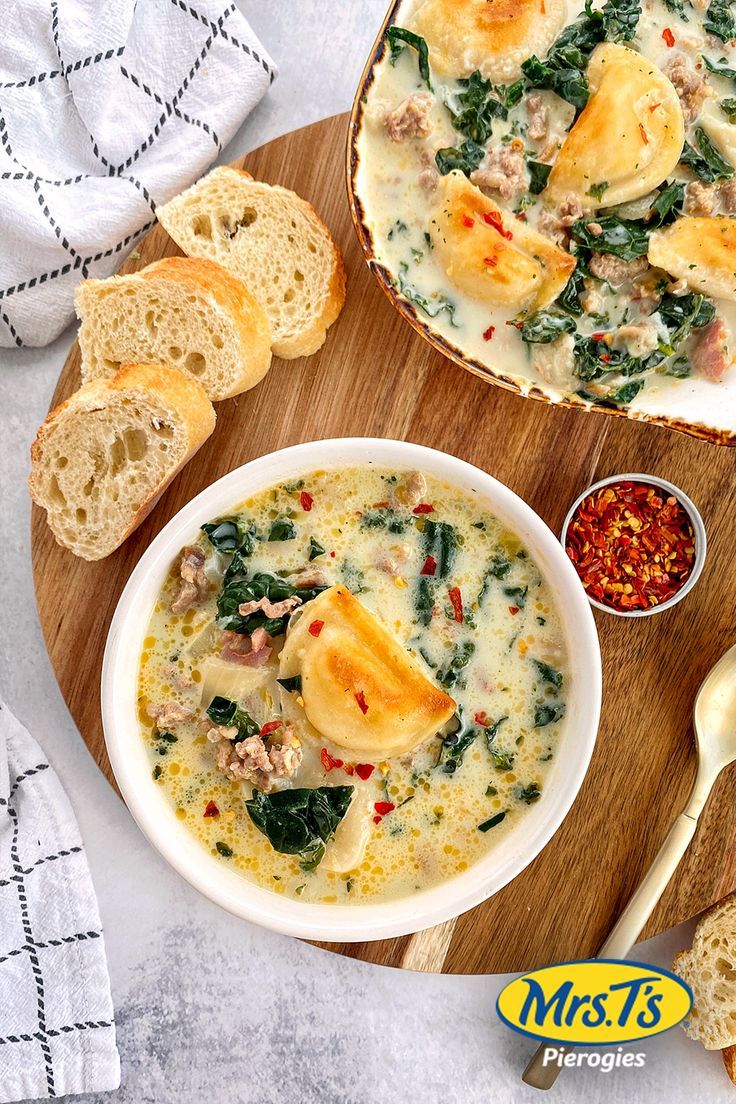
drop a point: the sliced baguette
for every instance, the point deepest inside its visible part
(729, 1061)
(709, 968)
(274, 241)
(189, 314)
(101, 460)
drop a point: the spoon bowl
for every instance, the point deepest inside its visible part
(715, 715)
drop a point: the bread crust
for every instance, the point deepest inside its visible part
(183, 399)
(309, 340)
(206, 278)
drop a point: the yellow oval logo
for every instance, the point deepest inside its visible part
(598, 1002)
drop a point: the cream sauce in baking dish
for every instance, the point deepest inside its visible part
(404, 581)
(618, 324)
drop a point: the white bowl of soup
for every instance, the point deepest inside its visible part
(352, 689)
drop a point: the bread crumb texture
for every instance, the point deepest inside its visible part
(709, 968)
(101, 460)
(275, 242)
(187, 313)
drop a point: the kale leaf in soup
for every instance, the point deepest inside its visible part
(300, 821)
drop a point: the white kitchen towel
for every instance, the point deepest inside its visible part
(57, 1033)
(107, 108)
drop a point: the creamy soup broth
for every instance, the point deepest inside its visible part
(493, 641)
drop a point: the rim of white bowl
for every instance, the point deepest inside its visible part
(701, 541)
(154, 814)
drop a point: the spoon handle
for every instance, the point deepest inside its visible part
(631, 921)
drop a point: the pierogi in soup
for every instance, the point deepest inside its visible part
(550, 186)
(353, 684)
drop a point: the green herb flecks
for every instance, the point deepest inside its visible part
(705, 161)
(548, 674)
(231, 534)
(543, 326)
(451, 676)
(491, 822)
(398, 38)
(720, 20)
(548, 713)
(466, 158)
(223, 711)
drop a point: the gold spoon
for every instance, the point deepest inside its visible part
(715, 738)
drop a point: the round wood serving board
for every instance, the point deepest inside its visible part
(376, 377)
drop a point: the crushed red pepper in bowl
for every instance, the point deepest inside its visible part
(637, 543)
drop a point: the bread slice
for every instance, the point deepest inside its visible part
(274, 241)
(709, 968)
(190, 314)
(729, 1061)
(102, 458)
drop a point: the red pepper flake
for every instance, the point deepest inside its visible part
(488, 334)
(467, 221)
(211, 810)
(328, 762)
(513, 610)
(269, 728)
(494, 220)
(423, 508)
(456, 598)
(644, 135)
(632, 546)
(606, 358)
(481, 719)
(429, 566)
(490, 261)
(306, 501)
(377, 819)
(654, 106)
(598, 335)
(332, 554)
(364, 770)
(668, 36)
(349, 768)
(360, 699)
(383, 807)
(316, 628)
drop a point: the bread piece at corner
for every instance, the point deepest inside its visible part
(709, 968)
(101, 460)
(189, 314)
(275, 242)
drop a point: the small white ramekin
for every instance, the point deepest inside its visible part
(355, 922)
(695, 519)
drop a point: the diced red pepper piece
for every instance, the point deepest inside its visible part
(456, 599)
(268, 728)
(211, 810)
(423, 508)
(668, 36)
(513, 610)
(481, 718)
(491, 262)
(306, 501)
(494, 220)
(488, 334)
(328, 762)
(467, 221)
(383, 807)
(364, 770)
(429, 566)
(316, 628)
(360, 699)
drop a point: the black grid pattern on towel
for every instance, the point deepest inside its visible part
(169, 107)
(43, 1033)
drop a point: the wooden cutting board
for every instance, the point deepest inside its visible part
(376, 377)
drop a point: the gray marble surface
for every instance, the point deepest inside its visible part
(210, 1007)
